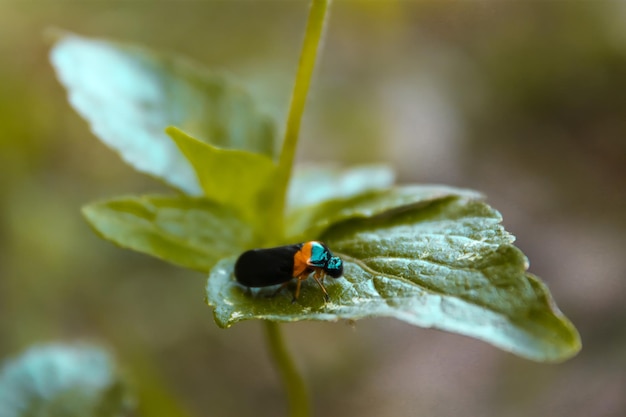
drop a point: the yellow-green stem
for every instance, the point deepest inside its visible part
(294, 384)
(308, 56)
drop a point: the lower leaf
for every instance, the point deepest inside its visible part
(447, 265)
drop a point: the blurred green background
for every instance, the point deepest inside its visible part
(525, 101)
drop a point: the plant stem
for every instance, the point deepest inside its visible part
(308, 56)
(294, 384)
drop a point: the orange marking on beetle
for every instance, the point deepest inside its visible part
(301, 261)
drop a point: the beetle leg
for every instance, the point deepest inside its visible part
(319, 278)
(297, 293)
(319, 274)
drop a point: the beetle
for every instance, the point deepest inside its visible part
(279, 265)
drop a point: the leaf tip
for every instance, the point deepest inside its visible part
(180, 137)
(570, 347)
(172, 131)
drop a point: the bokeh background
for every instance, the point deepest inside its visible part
(525, 101)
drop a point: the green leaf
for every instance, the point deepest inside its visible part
(446, 264)
(309, 222)
(129, 95)
(190, 232)
(232, 177)
(312, 185)
(63, 381)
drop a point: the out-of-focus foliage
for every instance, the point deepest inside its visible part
(63, 381)
(129, 95)
(317, 183)
(412, 83)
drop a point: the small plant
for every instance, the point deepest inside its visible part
(432, 256)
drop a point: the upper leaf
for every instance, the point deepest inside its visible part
(190, 232)
(446, 264)
(232, 177)
(62, 380)
(129, 95)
